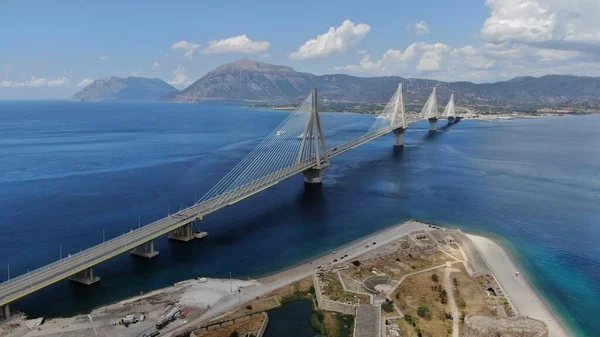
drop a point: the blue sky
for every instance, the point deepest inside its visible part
(50, 49)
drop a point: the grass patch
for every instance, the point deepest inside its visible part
(345, 325)
(316, 321)
(298, 295)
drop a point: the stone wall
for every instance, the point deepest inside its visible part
(478, 325)
(221, 324)
(329, 305)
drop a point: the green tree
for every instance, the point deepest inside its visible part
(424, 311)
(435, 278)
(234, 334)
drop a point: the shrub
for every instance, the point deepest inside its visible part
(455, 281)
(388, 306)
(316, 321)
(249, 307)
(448, 315)
(435, 278)
(234, 334)
(409, 319)
(356, 263)
(424, 312)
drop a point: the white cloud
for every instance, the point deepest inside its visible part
(472, 57)
(427, 57)
(189, 48)
(236, 44)
(36, 82)
(432, 56)
(155, 64)
(181, 78)
(103, 57)
(557, 24)
(420, 28)
(557, 55)
(503, 50)
(336, 40)
(84, 83)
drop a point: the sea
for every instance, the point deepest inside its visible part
(73, 174)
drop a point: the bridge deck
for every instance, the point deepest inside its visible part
(42, 277)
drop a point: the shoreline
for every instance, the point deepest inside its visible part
(523, 295)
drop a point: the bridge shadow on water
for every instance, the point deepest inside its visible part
(431, 135)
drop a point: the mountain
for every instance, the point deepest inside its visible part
(247, 80)
(126, 89)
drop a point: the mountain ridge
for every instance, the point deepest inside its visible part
(128, 88)
(253, 81)
(247, 80)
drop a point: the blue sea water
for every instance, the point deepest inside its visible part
(70, 171)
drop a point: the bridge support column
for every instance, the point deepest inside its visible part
(399, 137)
(451, 120)
(86, 276)
(186, 233)
(4, 311)
(432, 124)
(145, 250)
(313, 176)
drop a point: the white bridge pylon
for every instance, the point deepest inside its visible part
(430, 110)
(449, 111)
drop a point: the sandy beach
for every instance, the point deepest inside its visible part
(524, 298)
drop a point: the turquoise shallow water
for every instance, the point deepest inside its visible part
(70, 170)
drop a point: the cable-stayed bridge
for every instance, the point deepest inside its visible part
(297, 145)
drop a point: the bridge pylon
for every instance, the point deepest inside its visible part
(313, 145)
(430, 110)
(399, 117)
(449, 111)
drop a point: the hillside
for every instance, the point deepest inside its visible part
(126, 89)
(247, 80)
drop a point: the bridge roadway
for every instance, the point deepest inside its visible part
(44, 276)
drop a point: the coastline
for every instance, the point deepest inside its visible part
(523, 295)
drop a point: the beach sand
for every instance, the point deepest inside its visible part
(520, 292)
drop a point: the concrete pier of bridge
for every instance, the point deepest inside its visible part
(432, 124)
(4, 312)
(313, 176)
(184, 233)
(145, 250)
(399, 137)
(85, 276)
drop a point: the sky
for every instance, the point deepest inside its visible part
(51, 49)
